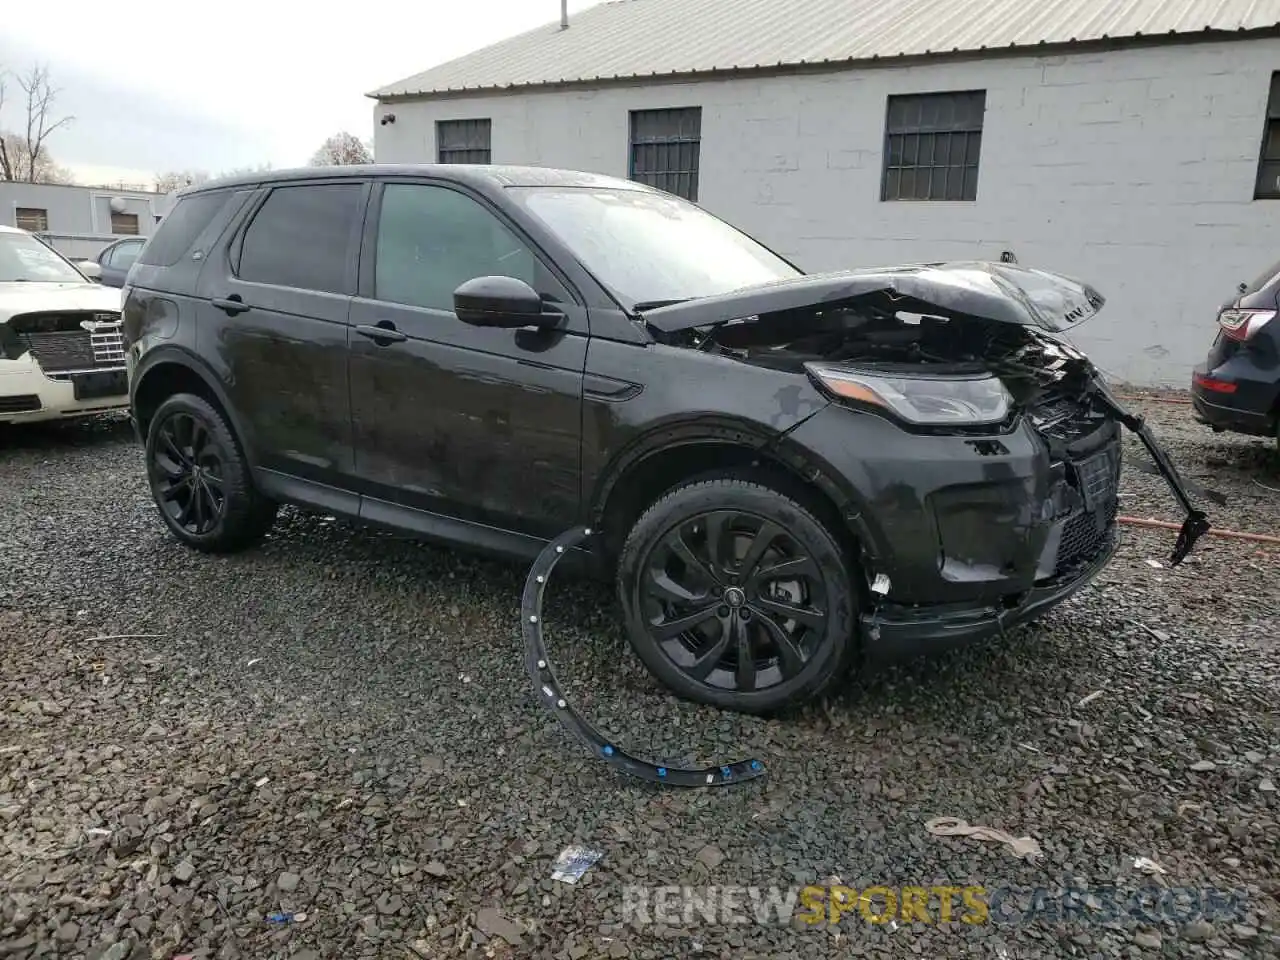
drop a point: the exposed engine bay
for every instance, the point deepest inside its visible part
(925, 321)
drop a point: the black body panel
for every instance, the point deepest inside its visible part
(385, 406)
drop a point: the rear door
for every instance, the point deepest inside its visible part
(273, 317)
(473, 423)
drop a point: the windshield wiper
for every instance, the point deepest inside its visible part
(644, 305)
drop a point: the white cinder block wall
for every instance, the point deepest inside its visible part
(1131, 169)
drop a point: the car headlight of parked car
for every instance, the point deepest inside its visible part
(927, 401)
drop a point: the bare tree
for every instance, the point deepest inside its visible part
(8, 158)
(179, 180)
(341, 149)
(172, 180)
(245, 171)
(23, 155)
(13, 150)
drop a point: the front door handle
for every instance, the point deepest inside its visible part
(382, 333)
(232, 304)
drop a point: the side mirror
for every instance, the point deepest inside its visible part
(90, 269)
(501, 302)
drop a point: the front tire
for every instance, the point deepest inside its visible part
(735, 595)
(200, 480)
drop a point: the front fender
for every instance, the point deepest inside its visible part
(674, 432)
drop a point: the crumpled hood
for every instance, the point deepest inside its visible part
(18, 298)
(994, 291)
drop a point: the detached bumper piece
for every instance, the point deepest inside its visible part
(1196, 524)
(551, 695)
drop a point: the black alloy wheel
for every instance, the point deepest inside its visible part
(744, 604)
(188, 470)
(200, 479)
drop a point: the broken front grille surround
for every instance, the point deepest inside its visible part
(71, 342)
(1089, 528)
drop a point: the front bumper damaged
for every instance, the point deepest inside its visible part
(894, 632)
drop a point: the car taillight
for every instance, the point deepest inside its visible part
(1241, 324)
(1211, 383)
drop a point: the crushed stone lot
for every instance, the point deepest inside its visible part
(337, 726)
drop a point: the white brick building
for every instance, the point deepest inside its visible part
(1129, 144)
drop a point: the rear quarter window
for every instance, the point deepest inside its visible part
(178, 231)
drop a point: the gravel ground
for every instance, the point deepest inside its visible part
(337, 725)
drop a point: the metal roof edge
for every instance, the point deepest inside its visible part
(1039, 48)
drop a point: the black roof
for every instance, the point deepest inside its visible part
(477, 175)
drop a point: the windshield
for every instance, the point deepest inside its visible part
(23, 258)
(650, 248)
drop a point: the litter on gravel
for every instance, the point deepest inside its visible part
(1024, 848)
(573, 862)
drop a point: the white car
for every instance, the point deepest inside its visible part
(61, 354)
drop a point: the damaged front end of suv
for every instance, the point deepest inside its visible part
(1010, 437)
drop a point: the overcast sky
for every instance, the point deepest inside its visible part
(238, 83)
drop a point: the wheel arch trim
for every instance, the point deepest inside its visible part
(175, 356)
(773, 445)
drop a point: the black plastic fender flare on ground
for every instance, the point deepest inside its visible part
(551, 695)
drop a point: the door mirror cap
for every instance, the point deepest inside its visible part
(91, 270)
(501, 302)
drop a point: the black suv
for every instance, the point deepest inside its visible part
(1237, 388)
(784, 469)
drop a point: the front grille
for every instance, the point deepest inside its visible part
(108, 348)
(1090, 531)
(1084, 538)
(19, 404)
(1097, 477)
(71, 342)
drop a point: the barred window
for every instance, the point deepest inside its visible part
(463, 141)
(665, 146)
(932, 142)
(32, 219)
(126, 223)
(1268, 185)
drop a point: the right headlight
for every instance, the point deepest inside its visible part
(925, 400)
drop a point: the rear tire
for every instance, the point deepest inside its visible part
(736, 595)
(200, 479)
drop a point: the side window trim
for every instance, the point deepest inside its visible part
(352, 254)
(373, 217)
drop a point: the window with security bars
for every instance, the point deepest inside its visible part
(665, 146)
(1268, 185)
(31, 219)
(463, 141)
(931, 148)
(124, 223)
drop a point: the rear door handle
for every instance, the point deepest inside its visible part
(232, 304)
(382, 333)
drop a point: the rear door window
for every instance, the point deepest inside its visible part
(302, 237)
